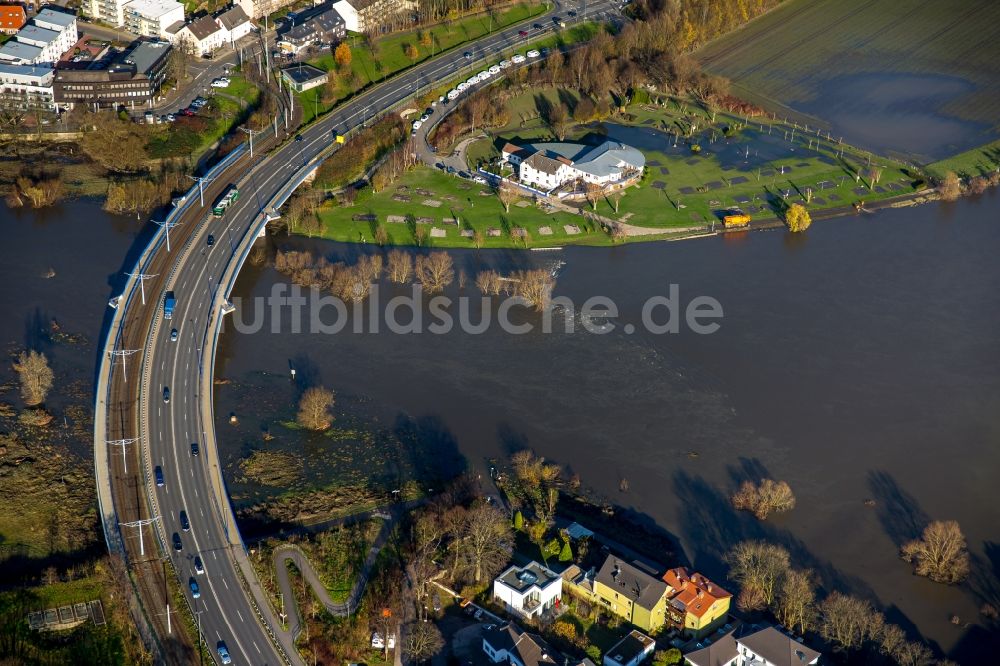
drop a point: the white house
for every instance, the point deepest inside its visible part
(528, 591)
(513, 645)
(235, 24)
(42, 40)
(631, 650)
(151, 18)
(111, 12)
(754, 647)
(547, 166)
(26, 86)
(201, 36)
(256, 9)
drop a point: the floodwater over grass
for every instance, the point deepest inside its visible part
(911, 77)
(858, 361)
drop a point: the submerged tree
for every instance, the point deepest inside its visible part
(36, 376)
(314, 408)
(940, 554)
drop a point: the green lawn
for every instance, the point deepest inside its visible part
(63, 594)
(744, 169)
(241, 88)
(390, 57)
(473, 205)
(976, 162)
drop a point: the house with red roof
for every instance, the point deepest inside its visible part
(695, 604)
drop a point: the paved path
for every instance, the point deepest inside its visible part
(294, 554)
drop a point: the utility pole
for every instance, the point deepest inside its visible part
(140, 524)
(142, 277)
(201, 187)
(123, 443)
(167, 226)
(122, 354)
(249, 131)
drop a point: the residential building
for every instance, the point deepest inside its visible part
(631, 650)
(579, 582)
(151, 18)
(26, 87)
(370, 15)
(754, 646)
(201, 36)
(235, 24)
(133, 78)
(307, 28)
(256, 9)
(547, 166)
(304, 77)
(111, 12)
(528, 591)
(12, 18)
(511, 644)
(696, 605)
(631, 592)
(43, 39)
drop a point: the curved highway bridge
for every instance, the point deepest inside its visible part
(184, 530)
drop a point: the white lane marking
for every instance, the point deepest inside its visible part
(255, 646)
(240, 615)
(225, 583)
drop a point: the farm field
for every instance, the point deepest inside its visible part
(916, 78)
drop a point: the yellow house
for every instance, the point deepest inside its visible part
(696, 604)
(632, 593)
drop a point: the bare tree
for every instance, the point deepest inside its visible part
(489, 282)
(485, 538)
(507, 194)
(796, 600)
(36, 376)
(950, 187)
(912, 653)
(535, 286)
(891, 639)
(314, 408)
(848, 621)
(435, 271)
(400, 266)
(764, 499)
(759, 565)
(370, 267)
(593, 193)
(616, 198)
(423, 641)
(940, 554)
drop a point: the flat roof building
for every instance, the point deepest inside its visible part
(12, 18)
(304, 77)
(131, 79)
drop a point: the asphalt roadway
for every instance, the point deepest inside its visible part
(194, 484)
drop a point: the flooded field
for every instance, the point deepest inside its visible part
(912, 78)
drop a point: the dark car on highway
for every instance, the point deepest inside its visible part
(166, 394)
(522, 33)
(177, 542)
(185, 523)
(467, 55)
(211, 240)
(194, 448)
(158, 473)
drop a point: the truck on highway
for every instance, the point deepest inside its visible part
(227, 199)
(169, 302)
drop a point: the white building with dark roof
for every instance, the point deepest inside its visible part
(631, 650)
(201, 36)
(512, 645)
(235, 24)
(547, 166)
(754, 646)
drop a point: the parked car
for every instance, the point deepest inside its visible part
(533, 53)
(517, 58)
